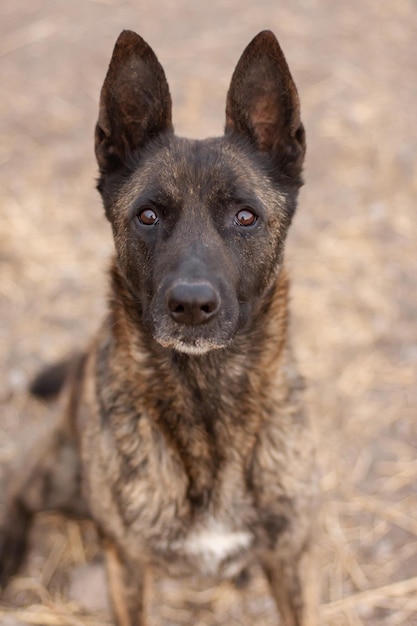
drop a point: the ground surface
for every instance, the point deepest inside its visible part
(352, 257)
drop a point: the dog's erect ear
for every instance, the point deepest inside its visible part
(263, 103)
(135, 104)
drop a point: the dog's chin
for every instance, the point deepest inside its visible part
(196, 348)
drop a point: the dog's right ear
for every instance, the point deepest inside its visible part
(263, 105)
(135, 103)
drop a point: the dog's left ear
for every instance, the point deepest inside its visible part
(135, 103)
(263, 105)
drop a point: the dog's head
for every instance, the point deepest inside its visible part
(199, 226)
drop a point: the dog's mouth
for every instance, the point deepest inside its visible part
(193, 340)
(197, 347)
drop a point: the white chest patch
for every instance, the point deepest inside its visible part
(213, 542)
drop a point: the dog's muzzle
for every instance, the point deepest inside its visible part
(194, 315)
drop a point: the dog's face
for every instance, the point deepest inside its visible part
(199, 226)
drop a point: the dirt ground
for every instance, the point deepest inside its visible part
(352, 258)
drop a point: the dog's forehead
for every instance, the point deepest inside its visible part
(206, 169)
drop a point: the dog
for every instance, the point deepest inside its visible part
(183, 433)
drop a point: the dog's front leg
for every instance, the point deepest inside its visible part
(295, 587)
(127, 588)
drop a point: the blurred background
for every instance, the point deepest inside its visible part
(351, 254)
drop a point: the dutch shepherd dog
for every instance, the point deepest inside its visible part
(184, 436)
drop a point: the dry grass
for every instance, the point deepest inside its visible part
(352, 256)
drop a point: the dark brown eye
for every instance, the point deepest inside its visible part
(148, 217)
(245, 218)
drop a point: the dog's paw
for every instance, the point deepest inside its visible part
(13, 541)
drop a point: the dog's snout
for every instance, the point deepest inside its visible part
(192, 303)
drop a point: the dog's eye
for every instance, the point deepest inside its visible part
(245, 217)
(148, 217)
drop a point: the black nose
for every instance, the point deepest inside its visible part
(192, 303)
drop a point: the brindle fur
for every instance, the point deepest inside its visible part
(194, 450)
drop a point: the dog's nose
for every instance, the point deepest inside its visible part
(192, 303)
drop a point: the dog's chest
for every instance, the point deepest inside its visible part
(212, 539)
(213, 547)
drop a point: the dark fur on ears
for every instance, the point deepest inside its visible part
(263, 104)
(135, 103)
